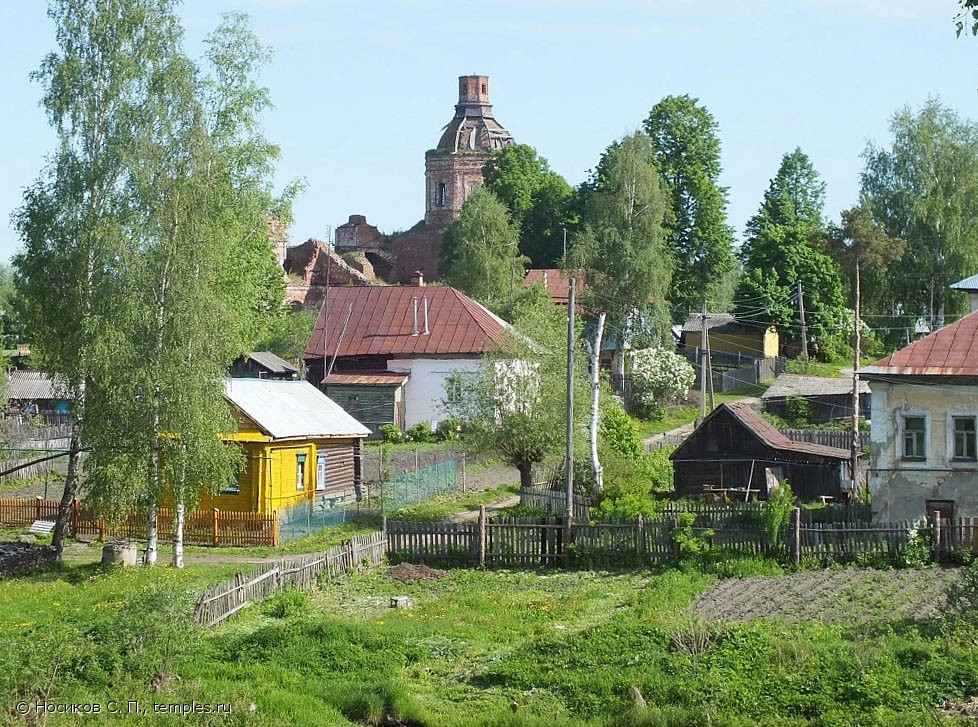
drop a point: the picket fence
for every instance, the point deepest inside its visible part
(201, 527)
(301, 573)
(547, 541)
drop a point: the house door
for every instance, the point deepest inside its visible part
(320, 472)
(943, 509)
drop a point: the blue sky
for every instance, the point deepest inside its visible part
(362, 88)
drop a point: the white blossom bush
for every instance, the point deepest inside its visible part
(658, 377)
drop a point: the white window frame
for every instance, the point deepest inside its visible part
(904, 415)
(300, 472)
(951, 458)
(322, 457)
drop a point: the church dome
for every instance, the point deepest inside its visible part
(473, 127)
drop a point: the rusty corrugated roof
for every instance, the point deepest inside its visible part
(798, 385)
(951, 351)
(769, 434)
(377, 379)
(382, 323)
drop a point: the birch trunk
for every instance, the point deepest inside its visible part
(152, 536)
(178, 517)
(595, 392)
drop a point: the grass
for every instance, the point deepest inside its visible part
(677, 416)
(817, 368)
(566, 648)
(441, 507)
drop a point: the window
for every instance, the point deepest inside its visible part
(453, 389)
(300, 472)
(233, 487)
(964, 439)
(441, 194)
(320, 472)
(914, 437)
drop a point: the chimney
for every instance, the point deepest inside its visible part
(426, 315)
(414, 305)
(417, 279)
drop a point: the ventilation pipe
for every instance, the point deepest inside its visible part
(426, 315)
(414, 306)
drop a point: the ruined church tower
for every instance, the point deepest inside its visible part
(454, 168)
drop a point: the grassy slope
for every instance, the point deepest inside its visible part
(567, 647)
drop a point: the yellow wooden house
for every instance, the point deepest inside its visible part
(299, 445)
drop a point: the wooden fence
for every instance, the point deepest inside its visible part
(301, 572)
(554, 501)
(826, 437)
(201, 527)
(522, 542)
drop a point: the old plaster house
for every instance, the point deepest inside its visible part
(361, 255)
(924, 457)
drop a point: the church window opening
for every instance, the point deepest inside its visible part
(441, 194)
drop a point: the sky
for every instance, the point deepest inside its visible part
(362, 88)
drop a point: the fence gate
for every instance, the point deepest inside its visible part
(526, 542)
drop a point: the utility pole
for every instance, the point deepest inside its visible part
(801, 318)
(709, 362)
(703, 363)
(570, 404)
(854, 454)
(563, 260)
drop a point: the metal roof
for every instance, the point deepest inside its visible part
(951, 351)
(30, 385)
(376, 379)
(713, 320)
(769, 434)
(798, 385)
(271, 362)
(291, 409)
(966, 284)
(390, 320)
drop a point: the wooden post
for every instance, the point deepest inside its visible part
(482, 536)
(37, 507)
(101, 529)
(74, 518)
(275, 528)
(937, 537)
(463, 472)
(797, 536)
(215, 536)
(640, 537)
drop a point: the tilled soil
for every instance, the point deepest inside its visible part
(410, 573)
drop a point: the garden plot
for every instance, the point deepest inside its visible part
(848, 595)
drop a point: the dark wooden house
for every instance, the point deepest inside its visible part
(263, 365)
(736, 454)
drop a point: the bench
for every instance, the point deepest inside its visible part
(41, 527)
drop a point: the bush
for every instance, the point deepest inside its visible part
(797, 410)
(448, 429)
(391, 433)
(776, 512)
(420, 432)
(658, 377)
(689, 543)
(288, 604)
(618, 432)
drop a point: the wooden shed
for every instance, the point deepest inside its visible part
(735, 452)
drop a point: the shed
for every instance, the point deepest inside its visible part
(829, 398)
(299, 445)
(736, 451)
(263, 365)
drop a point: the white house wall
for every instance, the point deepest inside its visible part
(900, 488)
(425, 389)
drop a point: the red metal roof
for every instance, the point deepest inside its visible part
(382, 322)
(951, 351)
(769, 434)
(377, 379)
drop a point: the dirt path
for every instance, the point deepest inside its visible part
(493, 507)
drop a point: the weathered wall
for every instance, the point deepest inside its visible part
(425, 390)
(900, 488)
(460, 172)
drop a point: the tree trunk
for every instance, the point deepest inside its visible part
(595, 392)
(526, 474)
(152, 534)
(178, 516)
(63, 521)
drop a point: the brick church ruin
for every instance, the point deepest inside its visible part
(362, 255)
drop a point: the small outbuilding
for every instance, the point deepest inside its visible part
(736, 454)
(300, 446)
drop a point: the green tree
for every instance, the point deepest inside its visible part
(537, 198)
(924, 189)
(516, 403)
(621, 245)
(96, 90)
(784, 246)
(686, 151)
(479, 254)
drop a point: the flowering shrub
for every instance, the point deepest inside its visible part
(658, 377)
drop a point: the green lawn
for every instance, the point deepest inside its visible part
(677, 416)
(475, 648)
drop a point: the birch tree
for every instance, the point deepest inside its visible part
(96, 85)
